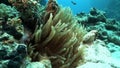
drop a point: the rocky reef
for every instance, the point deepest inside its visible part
(108, 29)
(37, 36)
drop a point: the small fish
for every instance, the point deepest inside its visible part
(74, 3)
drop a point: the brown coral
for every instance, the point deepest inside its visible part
(19, 2)
(52, 7)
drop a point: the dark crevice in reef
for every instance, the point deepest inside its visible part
(5, 2)
(10, 29)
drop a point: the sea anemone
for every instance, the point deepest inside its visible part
(59, 38)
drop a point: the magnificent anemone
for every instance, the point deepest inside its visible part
(59, 39)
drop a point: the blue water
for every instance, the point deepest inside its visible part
(111, 7)
(84, 5)
(81, 6)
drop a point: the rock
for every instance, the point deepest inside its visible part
(94, 65)
(35, 65)
(2, 54)
(13, 64)
(21, 49)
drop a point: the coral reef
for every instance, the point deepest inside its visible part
(54, 38)
(8, 11)
(30, 12)
(49, 36)
(94, 51)
(12, 54)
(10, 21)
(108, 31)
